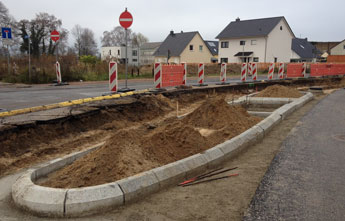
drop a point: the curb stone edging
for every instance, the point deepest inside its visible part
(45, 201)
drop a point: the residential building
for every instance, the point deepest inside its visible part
(146, 52)
(303, 51)
(339, 49)
(324, 46)
(186, 47)
(213, 47)
(119, 53)
(257, 40)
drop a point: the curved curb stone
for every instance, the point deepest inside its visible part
(46, 201)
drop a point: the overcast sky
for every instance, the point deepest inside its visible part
(315, 19)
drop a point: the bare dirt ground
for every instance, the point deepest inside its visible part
(30, 146)
(279, 91)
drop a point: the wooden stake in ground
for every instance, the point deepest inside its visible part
(177, 109)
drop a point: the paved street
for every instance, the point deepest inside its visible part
(22, 96)
(306, 179)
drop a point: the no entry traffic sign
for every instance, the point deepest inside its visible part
(126, 19)
(55, 35)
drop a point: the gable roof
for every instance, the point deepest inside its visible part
(176, 43)
(303, 48)
(212, 46)
(150, 45)
(250, 28)
(343, 41)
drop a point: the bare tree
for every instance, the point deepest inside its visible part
(116, 37)
(139, 39)
(77, 32)
(88, 42)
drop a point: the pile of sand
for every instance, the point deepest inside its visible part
(131, 151)
(279, 91)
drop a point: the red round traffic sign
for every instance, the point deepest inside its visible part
(126, 19)
(55, 35)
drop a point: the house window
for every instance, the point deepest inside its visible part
(134, 60)
(109, 52)
(344, 47)
(200, 47)
(281, 28)
(191, 47)
(224, 60)
(224, 44)
(134, 53)
(253, 42)
(275, 60)
(256, 59)
(118, 52)
(242, 42)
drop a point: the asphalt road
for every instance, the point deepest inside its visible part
(22, 96)
(306, 179)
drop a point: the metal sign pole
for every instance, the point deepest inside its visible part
(29, 61)
(126, 57)
(56, 45)
(8, 60)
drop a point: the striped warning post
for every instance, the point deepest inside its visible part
(254, 71)
(158, 76)
(250, 70)
(223, 73)
(201, 71)
(58, 72)
(271, 71)
(113, 76)
(304, 69)
(281, 71)
(184, 81)
(244, 72)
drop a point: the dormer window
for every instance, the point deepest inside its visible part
(281, 28)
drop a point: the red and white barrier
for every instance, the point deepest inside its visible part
(254, 71)
(250, 70)
(58, 72)
(304, 69)
(244, 72)
(281, 71)
(271, 71)
(113, 76)
(223, 73)
(184, 81)
(158, 76)
(201, 71)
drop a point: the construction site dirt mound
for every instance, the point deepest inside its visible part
(137, 149)
(279, 91)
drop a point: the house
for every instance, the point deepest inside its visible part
(119, 53)
(325, 46)
(257, 40)
(146, 52)
(303, 51)
(213, 47)
(186, 47)
(339, 49)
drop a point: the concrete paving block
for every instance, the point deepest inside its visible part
(267, 125)
(214, 157)
(255, 100)
(274, 100)
(196, 164)
(90, 200)
(39, 200)
(259, 113)
(170, 174)
(138, 186)
(277, 118)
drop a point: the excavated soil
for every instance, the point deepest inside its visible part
(135, 149)
(279, 91)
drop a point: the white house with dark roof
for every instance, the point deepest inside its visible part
(338, 49)
(186, 47)
(257, 40)
(146, 52)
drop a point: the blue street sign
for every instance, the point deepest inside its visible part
(6, 33)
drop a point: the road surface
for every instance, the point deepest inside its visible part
(306, 179)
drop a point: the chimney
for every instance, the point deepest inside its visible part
(171, 32)
(181, 31)
(238, 19)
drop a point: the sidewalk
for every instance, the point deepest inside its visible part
(306, 179)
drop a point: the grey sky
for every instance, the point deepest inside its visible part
(318, 20)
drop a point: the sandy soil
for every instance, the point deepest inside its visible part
(139, 148)
(279, 91)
